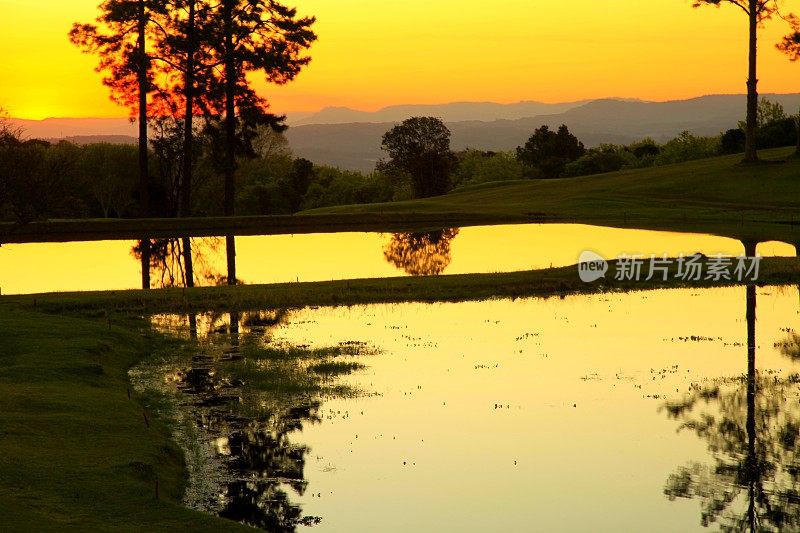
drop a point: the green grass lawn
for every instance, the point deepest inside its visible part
(716, 195)
(75, 452)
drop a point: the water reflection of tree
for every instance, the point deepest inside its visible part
(264, 452)
(258, 325)
(253, 431)
(751, 426)
(421, 254)
(168, 262)
(790, 347)
(266, 465)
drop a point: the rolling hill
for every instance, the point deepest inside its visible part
(351, 139)
(356, 145)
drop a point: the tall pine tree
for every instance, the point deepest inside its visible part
(119, 38)
(250, 36)
(757, 12)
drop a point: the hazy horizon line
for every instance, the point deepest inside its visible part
(457, 102)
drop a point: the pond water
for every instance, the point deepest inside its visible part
(648, 411)
(111, 265)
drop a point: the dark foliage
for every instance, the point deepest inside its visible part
(550, 151)
(732, 141)
(420, 147)
(779, 133)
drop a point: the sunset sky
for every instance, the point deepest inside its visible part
(373, 53)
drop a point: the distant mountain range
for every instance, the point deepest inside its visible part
(356, 145)
(61, 128)
(351, 139)
(454, 112)
(93, 139)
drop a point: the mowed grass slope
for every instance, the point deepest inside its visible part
(75, 451)
(715, 195)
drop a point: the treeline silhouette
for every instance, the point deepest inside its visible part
(40, 180)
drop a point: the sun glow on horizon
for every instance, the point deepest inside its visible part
(378, 53)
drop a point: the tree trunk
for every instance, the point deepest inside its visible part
(234, 328)
(751, 460)
(192, 326)
(144, 188)
(750, 153)
(185, 207)
(797, 126)
(188, 267)
(230, 252)
(750, 315)
(750, 247)
(230, 135)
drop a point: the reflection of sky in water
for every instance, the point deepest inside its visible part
(525, 415)
(28, 268)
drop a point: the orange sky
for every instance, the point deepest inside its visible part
(373, 53)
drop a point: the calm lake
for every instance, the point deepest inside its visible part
(111, 265)
(645, 411)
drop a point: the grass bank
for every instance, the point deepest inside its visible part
(134, 229)
(462, 287)
(717, 195)
(75, 451)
